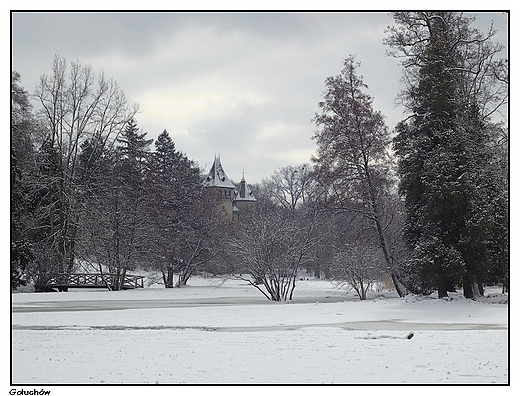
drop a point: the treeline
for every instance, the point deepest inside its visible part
(424, 207)
(89, 194)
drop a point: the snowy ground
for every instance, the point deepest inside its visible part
(228, 333)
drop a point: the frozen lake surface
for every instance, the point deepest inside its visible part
(215, 332)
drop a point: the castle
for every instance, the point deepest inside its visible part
(235, 200)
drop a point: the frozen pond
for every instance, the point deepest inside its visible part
(213, 333)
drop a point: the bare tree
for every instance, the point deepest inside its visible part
(270, 246)
(352, 157)
(359, 264)
(201, 236)
(290, 186)
(74, 105)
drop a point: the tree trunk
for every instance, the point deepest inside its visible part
(293, 285)
(363, 293)
(122, 280)
(399, 287)
(472, 289)
(441, 290)
(467, 287)
(480, 287)
(104, 278)
(183, 279)
(168, 278)
(119, 279)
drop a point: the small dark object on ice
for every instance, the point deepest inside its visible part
(409, 336)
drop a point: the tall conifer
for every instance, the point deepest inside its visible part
(445, 161)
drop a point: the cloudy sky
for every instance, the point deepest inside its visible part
(242, 85)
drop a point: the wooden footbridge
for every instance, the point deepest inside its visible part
(63, 282)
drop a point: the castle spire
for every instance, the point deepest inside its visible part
(217, 177)
(244, 193)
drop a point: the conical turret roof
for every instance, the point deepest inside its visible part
(244, 193)
(217, 176)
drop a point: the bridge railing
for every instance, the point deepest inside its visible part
(79, 280)
(136, 281)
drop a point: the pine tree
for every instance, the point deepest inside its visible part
(115, 225)
(129, 223)
(173, 183)
(92, 154)
(184, 235)
(22, 160)
(134, 152)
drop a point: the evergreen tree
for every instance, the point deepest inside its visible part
(92, 154)
(134, 154)
(445, 162)
(128, 202)
(170, 183)
(184, 235)
(22, 166)
(115, 226)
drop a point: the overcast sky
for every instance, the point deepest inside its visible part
(242, 85)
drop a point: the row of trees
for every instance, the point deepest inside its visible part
(425, 207)
(88, 192)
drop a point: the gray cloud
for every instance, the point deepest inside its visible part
(242, 84)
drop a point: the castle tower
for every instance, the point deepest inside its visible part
(244, 199)
(218, 180)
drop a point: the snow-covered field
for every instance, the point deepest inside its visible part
(228, 333)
